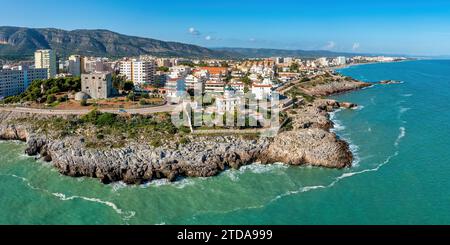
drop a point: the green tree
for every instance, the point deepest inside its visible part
(143, 101)
(202, 64)
(91, 117)
(246, 89)
(128, 86)
(63, 98)
(50, 87)
(294, 67)
(163, 68)
(117, 82)
(105, 119)
(131, 96)
(246, 80)
(51, 98)
(188, 63)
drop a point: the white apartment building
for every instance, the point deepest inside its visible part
(126, 69)
(175, 89)
(46, 59)
(14, 82)
(138, 71)
(341, 60)
(262, 90)
(214, 87)
(322, 62)
(95, 64)
(288, 60)
(237, 74)
(195, 83)
(179, 71)
(143, 71)
(74, 66)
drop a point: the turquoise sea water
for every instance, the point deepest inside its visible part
(400, 135)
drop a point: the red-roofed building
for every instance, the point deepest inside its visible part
(216, 73)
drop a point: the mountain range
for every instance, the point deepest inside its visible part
(17, 43)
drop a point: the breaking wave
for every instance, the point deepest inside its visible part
(180, 183)
(262, 168)
(319, 187)
(400, 136)
(126, 215)
(337, 125)
(336, 180)
(404, 109)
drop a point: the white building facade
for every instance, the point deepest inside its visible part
(74, 66)
(229, 102)
(138, 71)
(46, 59)
(14, 82)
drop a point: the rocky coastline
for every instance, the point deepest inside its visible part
(310, 142)
(307, 140)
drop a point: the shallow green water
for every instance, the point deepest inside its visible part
(400, 136)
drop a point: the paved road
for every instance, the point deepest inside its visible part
(148, 110)
(144, 111)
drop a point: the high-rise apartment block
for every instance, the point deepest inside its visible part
(46, 59)
(138, 71)
(14, 82)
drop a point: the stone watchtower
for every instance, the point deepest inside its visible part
(97, 85)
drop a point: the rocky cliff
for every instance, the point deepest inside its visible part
(308, 142)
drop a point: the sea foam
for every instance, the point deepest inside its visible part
(126, 215)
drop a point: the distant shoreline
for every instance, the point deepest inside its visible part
(368, 63)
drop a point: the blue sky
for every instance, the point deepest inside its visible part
(395, 26)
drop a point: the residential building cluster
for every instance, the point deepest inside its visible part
(173, 77)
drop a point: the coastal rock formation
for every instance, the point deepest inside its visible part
(348, 105)
(334, 87)
(314, 146)
(135, 164)
(390, 82)
(309, 142)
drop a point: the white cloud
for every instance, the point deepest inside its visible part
(194, 31)
(330, 45)
(356, 46)
(252, 39)
(208, 38)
